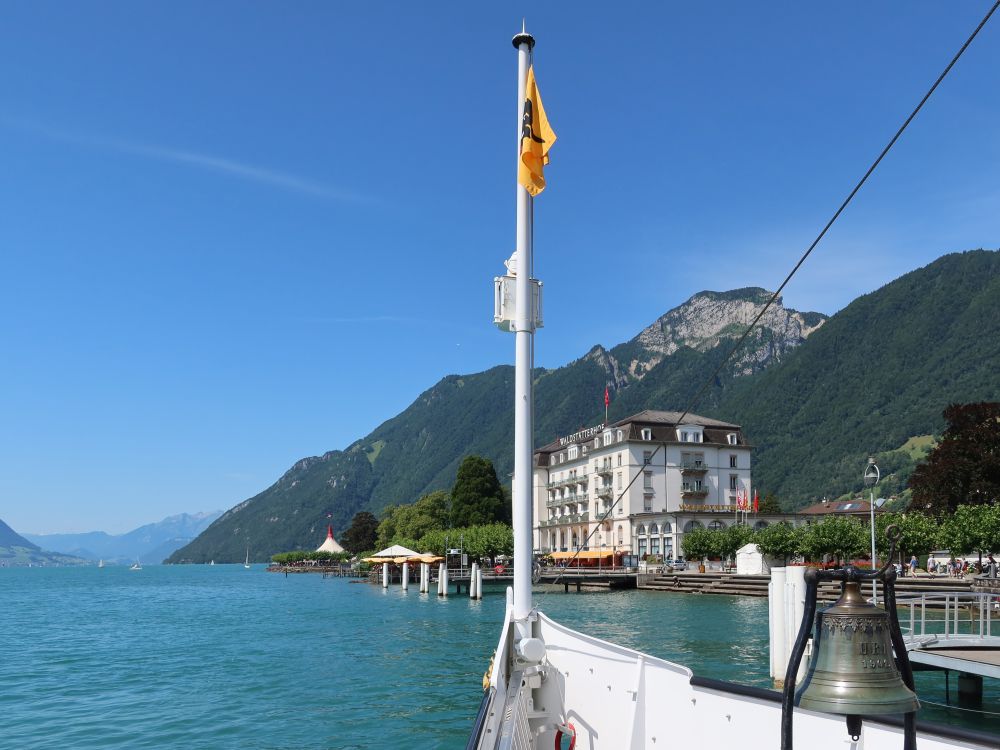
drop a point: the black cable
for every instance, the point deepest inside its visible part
(697, 397)
(694, 401)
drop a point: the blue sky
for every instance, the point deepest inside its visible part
(234, 234)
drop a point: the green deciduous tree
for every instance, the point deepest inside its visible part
(971, 528)
(919, 533)
(839, 536)
(700, 543)
(779, 540)
(732, 538)
(964, 468)
(413, 521)
(361, 534)
(477, 498)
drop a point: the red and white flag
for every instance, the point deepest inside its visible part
(756, 501)
(607, 397)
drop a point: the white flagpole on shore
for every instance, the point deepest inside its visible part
(524, 330)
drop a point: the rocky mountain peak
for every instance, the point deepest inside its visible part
(708, 317)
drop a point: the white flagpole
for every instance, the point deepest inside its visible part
(524, 330)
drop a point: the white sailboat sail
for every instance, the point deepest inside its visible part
(548, 684)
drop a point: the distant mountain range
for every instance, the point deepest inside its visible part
(815, 396)
(16, 551)
(151, 544)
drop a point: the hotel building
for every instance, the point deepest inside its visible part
(637, 485)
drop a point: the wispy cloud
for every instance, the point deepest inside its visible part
(209, 162)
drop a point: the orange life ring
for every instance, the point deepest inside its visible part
(498, 570)
(572, 739)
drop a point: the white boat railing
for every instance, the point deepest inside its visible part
(949, 616)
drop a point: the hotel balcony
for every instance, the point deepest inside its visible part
(604, 468)
(694, 494)
(605, 491)
(693, 467)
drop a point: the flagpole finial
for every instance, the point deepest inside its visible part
(523, 38)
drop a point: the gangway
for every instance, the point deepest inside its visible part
(952, 630)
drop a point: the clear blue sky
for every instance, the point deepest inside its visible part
(235, 234)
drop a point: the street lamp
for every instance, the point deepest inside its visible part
(871, 478)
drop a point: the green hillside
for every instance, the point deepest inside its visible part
(871, 378)
(875, 375)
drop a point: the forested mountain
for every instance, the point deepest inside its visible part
(420, 449)
(815, 396)
(878, 373)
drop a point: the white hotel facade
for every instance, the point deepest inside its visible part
(671, 477)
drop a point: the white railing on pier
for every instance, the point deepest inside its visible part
(949, 616)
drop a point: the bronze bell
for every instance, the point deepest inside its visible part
(852, 670)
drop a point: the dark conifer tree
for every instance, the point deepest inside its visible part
(361, 534)
(477, 497)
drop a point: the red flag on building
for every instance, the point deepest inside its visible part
(756, 501)
(607, 397)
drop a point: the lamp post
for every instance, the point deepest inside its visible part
(871, 478)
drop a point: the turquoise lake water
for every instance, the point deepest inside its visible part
(223, 657)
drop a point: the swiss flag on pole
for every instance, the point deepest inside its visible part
(756, 501)
(607, 396)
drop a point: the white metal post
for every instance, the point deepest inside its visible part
(385, 575)
(524, 326)
(406, 576)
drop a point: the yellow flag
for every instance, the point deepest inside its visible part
(537, 138)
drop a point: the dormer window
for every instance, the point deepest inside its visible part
(731, 438)
(647, 433)
(684, 436)
(574, 452)
(607, 437)
(621, 436)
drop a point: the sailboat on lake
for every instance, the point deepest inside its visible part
(547, 684)
(246, 563)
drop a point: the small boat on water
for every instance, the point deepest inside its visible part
(246, 563)
(136, 566)
(549, 686)
(100, 563)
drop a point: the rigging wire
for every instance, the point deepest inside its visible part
(736, 347)
(697, 397)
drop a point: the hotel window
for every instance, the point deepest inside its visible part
(733, 481)
(647, 457)
(621, 535)
(619, 459)
(607, 438)
(647, 479)
(619, 480)
(654, 529)
(716, 526)
(684, 437)
(574, 452)
(621, 435)
(647, 434)
(732, 462)
(731, 438)
(642, 546)
(654, 545)
(647, 505)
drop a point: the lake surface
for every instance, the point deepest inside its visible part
(223, 657)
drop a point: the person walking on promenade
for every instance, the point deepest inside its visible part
(913, 565)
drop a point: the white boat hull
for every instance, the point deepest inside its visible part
(620, 699)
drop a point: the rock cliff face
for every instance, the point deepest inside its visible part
(708, 317)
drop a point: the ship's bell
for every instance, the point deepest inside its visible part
(852, 670)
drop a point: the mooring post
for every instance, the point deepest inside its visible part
(406, 576)
(385, 575)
